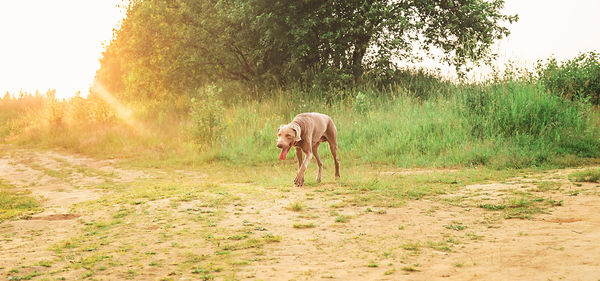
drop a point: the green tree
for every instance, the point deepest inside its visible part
(166, 48)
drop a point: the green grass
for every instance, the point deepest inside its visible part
(523, 207)
(589, 175)
(14, 204)
(499, 125)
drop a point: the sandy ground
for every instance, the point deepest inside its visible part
(413, 242)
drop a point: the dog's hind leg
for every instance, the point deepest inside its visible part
(315, 151)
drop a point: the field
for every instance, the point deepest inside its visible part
(439, 181)
(106, 219)
(166, 167)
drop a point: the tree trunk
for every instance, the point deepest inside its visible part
(360, 49)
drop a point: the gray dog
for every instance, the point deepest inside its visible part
(305, 133)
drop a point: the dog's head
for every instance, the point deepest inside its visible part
(287, 136)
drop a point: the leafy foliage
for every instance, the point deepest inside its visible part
(576, 79)
(164, 49)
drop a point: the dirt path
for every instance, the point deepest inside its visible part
(184, 227)
(58, 181)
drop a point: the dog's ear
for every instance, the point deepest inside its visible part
(296, 128)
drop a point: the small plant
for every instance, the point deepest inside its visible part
(296, 206)
(342, 218)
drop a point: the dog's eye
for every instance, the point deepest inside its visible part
(288, 135)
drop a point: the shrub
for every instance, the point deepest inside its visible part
(575, 79)
(207, 114)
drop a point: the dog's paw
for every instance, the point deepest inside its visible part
(318, 179)
(299, 181)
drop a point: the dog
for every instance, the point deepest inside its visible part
(305, 133)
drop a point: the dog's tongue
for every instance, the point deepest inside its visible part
(284, 153)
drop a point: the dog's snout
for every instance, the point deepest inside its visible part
(279, 145)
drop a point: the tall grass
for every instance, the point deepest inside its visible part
(504, 124)
(509, 125)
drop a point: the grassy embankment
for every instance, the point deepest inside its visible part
(420, 122)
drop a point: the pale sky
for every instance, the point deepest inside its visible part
(53, 44)
(56, 44)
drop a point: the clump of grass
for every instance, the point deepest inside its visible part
(409, 269)
(45, 263)
(523, 207)
(342, 218)
(304, 225)
(413, 246)
(16, 204)
(493, 207)
(589, 175)
(296, 206)
(548, 186)
(440, 246)
(456, 227)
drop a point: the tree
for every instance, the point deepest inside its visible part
(166, 47)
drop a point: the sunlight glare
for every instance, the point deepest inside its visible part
(123, 112)
(53, 44)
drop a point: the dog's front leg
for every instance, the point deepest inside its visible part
(299, 156)
(299, 181)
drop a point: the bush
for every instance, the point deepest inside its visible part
(207, 116)
(575, 79)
